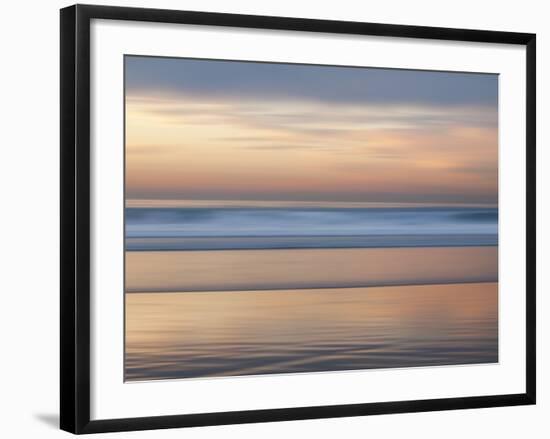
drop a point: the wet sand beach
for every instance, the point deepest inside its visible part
(238, 270)
(206, 334)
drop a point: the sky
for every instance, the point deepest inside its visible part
(230, 130)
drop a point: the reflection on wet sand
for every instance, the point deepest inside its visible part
(242, 270)
(204, 334)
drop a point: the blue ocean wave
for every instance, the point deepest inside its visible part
(233, 228)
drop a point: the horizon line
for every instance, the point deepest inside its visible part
(152, 202)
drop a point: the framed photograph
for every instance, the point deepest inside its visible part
(268, 218)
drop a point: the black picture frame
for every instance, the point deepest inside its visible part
(75, 217)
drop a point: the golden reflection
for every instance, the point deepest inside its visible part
(209, 333)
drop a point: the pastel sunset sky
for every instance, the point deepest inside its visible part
(227, 130)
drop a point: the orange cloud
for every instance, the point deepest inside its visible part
(181, 147)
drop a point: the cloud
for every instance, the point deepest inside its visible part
(331, 84)
(311, 118)
(187, 141)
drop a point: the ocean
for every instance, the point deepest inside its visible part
(215, 228)
(233, 290)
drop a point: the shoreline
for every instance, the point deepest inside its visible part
(289, 242)
(307, 268)
(313, 289)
